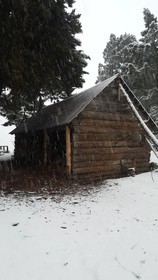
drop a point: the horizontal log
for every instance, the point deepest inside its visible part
(96, 169)
(106, 174)
(110, 107)
(108, 136)
(102, 157)
(115, 168)
(97, 102)
(107, 97)
(106, 144)
(111, 150)
(141, 162)
(107, 164)
(106, 116)
(111, 96)
(103, 129)
(96, 177)
(104, 123)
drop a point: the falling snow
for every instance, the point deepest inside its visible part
(110, 233)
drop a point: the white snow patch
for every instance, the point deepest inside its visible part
(6, 156)
(153, 157)
(110, 234)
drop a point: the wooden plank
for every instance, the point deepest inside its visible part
(103, 129)
(109, 136)
(97, 176)
(99, 105)
(112, 95)
(106, 98)
(105, 174)
(96, 169)
(111, 150)
(106, 116)
(105, 123)
(110, 165)
(102, 157)
(115, 104)
(106, 144)
(91, 129)
(68, 150)
(96, 163)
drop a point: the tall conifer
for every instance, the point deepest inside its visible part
(40, 54)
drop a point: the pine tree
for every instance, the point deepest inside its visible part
(149, 70)
(137, 61)
(40, 54)
(150, 41)
(115, 55)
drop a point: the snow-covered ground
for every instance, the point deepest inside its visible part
(6, 156)
(110, 233)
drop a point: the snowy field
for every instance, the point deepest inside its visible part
(110, 233)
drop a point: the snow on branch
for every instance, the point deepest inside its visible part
(148, 131)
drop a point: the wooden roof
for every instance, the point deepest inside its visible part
(62, 113)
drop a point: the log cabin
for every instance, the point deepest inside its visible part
(102, 132)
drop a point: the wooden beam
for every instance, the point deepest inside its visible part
(68, 150)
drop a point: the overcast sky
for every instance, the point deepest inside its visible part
(99, 19)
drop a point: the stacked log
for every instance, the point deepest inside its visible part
(108, 139)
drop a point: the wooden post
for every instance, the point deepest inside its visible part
(68, 150)
(45, 148)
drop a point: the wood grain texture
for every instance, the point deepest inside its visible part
(106, 136)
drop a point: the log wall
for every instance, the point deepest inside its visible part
(107, 139)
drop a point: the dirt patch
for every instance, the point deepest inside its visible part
(45, 181)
